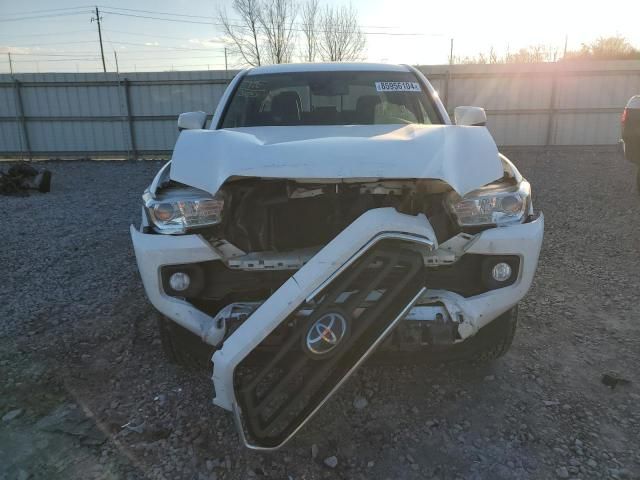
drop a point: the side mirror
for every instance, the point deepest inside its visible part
(470, 116)
(191, 120)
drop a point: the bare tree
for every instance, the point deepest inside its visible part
(310, 19)
(534, 54)
(605, 48)
(245, 33)
(276, 21)
(530, 54)
(340, 36)
(264, 31)
(493, 56)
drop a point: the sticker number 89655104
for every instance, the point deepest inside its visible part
(398, 87)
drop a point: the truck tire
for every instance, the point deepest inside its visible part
(182, 347)
(495, 339)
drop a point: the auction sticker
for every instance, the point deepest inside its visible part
(398, 87)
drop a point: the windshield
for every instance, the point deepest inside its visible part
(330, 98)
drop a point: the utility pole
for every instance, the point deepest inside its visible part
(451, 53)
(225, 59)
(566, 40)
(97, 19)
(115, 54)
(10, 63)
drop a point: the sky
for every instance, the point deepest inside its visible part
(58, 35)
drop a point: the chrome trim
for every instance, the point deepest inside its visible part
(381, 236)
(236, 408)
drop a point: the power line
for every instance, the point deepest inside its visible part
(44, 34)
(68, 59)
(124, 55)
(55, 54)
(42, 16)
(157, 36)
(87, 53)
(50, 43)
(128, 58)
(187, 49)
(119, 43)
(175, 14)
(153, 11)
(241, 26)
(182, 66)
(155, 46)
(178, 18)
(158, 18)
(48, 10)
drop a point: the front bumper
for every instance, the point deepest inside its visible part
(472, 313)
(155, 251)
(523, 240)
(340, 270)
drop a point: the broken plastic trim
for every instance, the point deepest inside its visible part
(363, 233)
(237, 414)
(377, 333)
(316, 353)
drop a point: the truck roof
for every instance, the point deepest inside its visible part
(327, 67)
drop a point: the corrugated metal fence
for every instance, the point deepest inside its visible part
(134, 114)
(67, 114)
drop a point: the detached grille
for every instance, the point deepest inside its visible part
(347, 318)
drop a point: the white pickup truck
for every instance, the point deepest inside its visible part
(329, 210)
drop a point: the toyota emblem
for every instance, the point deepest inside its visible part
(326, 333)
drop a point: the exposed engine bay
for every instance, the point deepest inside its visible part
(263, 216)
(280, 215)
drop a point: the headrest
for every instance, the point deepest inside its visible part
(285, 107)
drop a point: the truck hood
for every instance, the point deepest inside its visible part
(464, 157)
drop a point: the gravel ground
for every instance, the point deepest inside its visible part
(80, 357)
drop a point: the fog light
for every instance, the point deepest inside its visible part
(501, 272)
(179, 281)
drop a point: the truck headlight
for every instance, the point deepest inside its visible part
(178, 210)
(493, 204)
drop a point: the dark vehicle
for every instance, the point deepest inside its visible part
(631, 132)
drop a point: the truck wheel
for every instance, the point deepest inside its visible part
(183, 347)
(495, 339)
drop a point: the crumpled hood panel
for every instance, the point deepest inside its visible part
(464, 157)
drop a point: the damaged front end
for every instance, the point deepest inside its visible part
(327, 317)
(296, 281)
